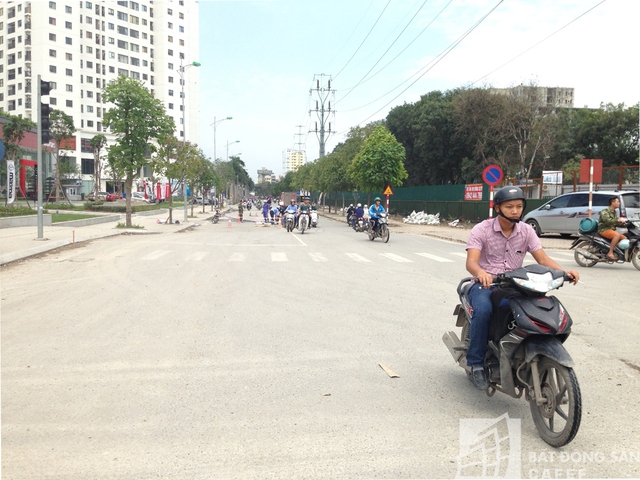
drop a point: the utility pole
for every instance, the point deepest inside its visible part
(323, 109)
(299, 143)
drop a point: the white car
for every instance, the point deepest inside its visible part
(138, 196)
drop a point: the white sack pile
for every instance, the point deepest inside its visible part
(423, 218)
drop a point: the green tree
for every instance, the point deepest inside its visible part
(98, 143)
(206, 177)
(380, 162)
(61, 128)
(13, 133)
(137, 118)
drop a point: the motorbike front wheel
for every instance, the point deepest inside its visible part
(384, 233)
(214, 220)
(557, 420)
(635, 257)
(581, 259)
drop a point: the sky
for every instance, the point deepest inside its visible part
(260, 59)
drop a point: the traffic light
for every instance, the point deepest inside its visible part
(45, 110)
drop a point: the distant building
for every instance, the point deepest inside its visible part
(554, 97)
(292, 159)
(265, 176)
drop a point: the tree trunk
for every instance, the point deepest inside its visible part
(127, 188)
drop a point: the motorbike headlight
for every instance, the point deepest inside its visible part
(539, 282)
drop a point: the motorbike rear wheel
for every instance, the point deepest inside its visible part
(384, 233)
(557, 420)
(635, 257)
(581, 259)
(214, 220)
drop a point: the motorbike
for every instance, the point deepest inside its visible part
(382, 231)
(526, 353)
(314, 219)
(289, 221)
(360, 224)
(303, 222)
(216, 217)
(590, 248)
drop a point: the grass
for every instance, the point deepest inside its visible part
(123, 225)
(65, 217)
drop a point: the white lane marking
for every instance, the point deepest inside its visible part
(434, 257)
(279, 257)
(237, 257)
(197, 256)
(116, 253)
(317, 257)
(357, 257)
(297, 237)
(396, 258)
(155, 255)
(459, 254)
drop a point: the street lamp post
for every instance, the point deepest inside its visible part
(216, 122)
(184, 125)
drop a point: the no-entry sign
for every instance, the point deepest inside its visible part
(492, 175)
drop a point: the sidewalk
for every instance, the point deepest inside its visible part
(21, 242)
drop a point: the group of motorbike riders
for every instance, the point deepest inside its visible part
(370, 214)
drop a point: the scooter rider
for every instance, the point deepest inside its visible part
(350, 211)
(292, 208)
(359, 213)
(607, 226)
(305, 209)
(374, 213)
(282, 209)
(495, 246)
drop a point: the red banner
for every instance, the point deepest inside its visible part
(473, 191)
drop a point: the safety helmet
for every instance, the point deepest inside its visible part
(366, 206)
(377, 199)
(359, 205)
(293, 200)
(351, 205)
(623, 244)
(506, 194)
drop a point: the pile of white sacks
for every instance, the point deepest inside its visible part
(422, 218)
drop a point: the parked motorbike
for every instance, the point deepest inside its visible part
(381, 231)
(591, 248)
(289, 221)
(526, 354)
(303, 222)
(216, 217)
(314, 219)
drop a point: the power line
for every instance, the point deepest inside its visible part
(443, 54)
(365, 39)
(535, 45)
(402, 51)
(349, 90)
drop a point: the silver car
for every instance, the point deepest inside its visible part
(563, 214)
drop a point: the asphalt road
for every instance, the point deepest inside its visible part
(247, 352)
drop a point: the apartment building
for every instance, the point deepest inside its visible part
(81, 46)
(292, 159)
(552, 97)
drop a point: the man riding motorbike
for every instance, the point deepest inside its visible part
(358, 214)
(607, 226)
(498, 245)
(305, 209)
(374, 213)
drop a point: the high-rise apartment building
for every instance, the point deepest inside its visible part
(292, 159)
(81, 46)
(552, 97)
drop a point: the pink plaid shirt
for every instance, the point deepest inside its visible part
(499, 254)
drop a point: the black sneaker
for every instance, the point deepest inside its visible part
(479, 377)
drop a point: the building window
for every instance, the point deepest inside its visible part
(87, 5)
(69, 88)
(69, 72)
(89, 109)
(171, 93)
(171, 66)
(52, 53)
(112, 69)
(89, 34)
(67, 9)
(171, 106)
(181, 43)
(69, 103)
(181, 15)
(68, 40)
(123, 16)
(111, 26)
(69, 56)
(134, 6)
(53, 69)
(67, 25)
(181, 29)
(89, 94)
(123, 30)
(53, 101)
(52, 37)
(170, 52)
(134, 33)
(88, 20)
(89, 64)
(111, 11)
(87, 167)
(170, 39)
(134, 20)
(52, 20)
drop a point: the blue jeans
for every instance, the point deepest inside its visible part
(480, 299)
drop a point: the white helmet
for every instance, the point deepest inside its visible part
(351, 205)
(281, 203)
(359, 205)
(365, 206)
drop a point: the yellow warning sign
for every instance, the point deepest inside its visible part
(387, 191)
